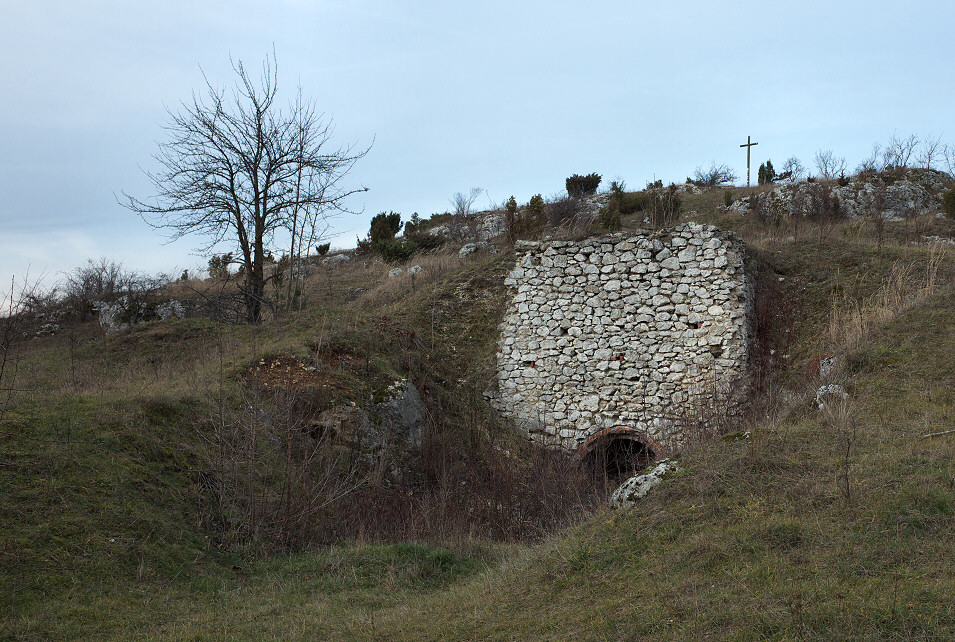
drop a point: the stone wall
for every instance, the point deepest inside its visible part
(624, 333)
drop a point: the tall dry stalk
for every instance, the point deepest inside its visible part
(851, 321)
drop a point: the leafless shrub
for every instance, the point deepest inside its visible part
(663, 206)
(872, 163)
(565, 212)
(467, 486)
(9, 333)
(898, 151)
(106, 280)
(27, 308)
(704, 416)
(793, 170)
(275, 481)
(714, 175)
(829, 166)
(948, 155)
(929, 152)
(461, 202)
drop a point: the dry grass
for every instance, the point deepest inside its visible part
(385, 291)
(908, 283)
(835, 524)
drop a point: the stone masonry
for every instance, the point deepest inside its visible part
(624, 333)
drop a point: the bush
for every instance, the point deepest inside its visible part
(396, 250)
(948, 203)
(822, 206)
(562, 211)
(425, 241)
(610, 217)
(510, 219)
(633, 202)
(323, 248)
(384, 227)
(579, 186)
(536, 210)
(713, 176)
(413, 226)
(728, 197)
(663, 207)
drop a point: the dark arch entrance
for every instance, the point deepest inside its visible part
(618, 453)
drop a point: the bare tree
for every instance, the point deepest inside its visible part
(793, 170)
(931, 149)
(239, 169)
(873, 162)
(948, 155)
(714, 175)
(898, 152)
(828, 165)
(462, 202)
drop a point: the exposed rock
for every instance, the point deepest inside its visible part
(403, 416)
(335, 259)
(127, 311)
(169, 309)
(827, 366)
(827, 395)
(689, 188)
(940, 240)
(351, 426)
(637, 487)
(386, 435)
(914, 192)
(472, 248)
(395, 272)
(415, 269)
(491, 226)
(47, 329)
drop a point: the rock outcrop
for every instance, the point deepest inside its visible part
(891, 195)
(127, 311)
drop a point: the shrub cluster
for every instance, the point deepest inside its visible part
(275, 481)
(948, 203)
(621, 204)
(766, 174)
(579, 186)
(383, 238)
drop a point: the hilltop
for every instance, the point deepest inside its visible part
(193, 478)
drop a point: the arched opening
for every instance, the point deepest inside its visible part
(617, 454)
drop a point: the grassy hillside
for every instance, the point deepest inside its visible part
(799, 523)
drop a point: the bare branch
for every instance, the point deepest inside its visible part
(242, 170)
(714, 175)
(462, 203)
(931, 149)
(829, 166)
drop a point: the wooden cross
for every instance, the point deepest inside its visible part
(748, 145)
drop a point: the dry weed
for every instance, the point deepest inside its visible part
(908, 284)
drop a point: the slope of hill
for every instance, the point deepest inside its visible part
(802, 522)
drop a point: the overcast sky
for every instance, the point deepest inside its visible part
(512, 97)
